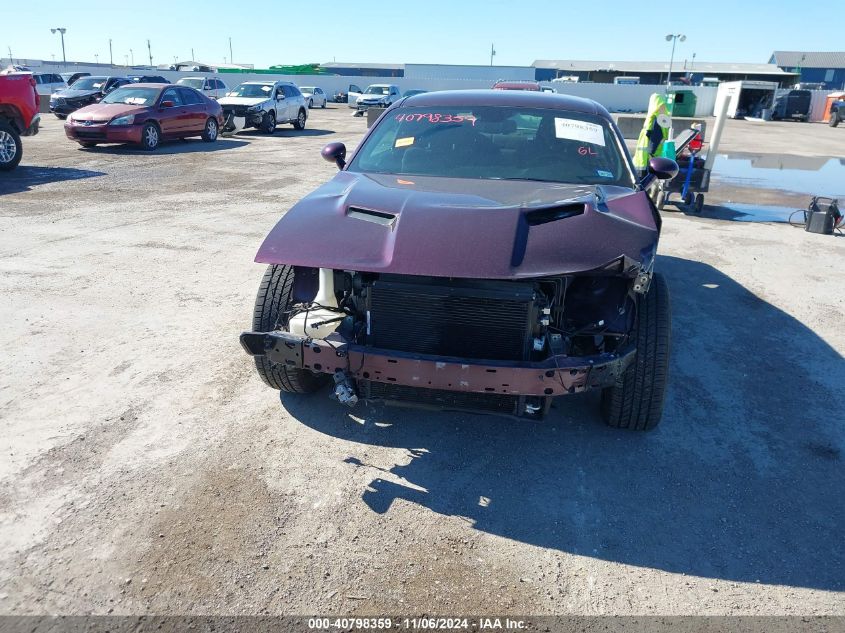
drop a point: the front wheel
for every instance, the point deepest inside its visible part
(150, 136)
(324, 104)
(209, 133)
(299, 123)
(834, 119)
(272, 306)
(11, 149)
(636, 400)
(268, 123)
(310, 103)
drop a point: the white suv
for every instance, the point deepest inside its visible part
(263, 105)
(378, 96)
(211, 87)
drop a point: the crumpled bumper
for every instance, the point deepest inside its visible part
(555, 376)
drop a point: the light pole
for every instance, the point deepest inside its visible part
(111, 58)
(61, 30)
(492, 53)
(231, 57)
(96, 58)
(132, 55)
(673, 39)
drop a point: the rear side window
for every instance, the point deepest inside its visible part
(220, 84)
(190, 97)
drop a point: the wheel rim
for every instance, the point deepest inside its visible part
(211, 129)
(8, 148)
(271, 122)
(301, 119)
(151, 137)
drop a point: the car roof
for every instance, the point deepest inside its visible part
(507, 98)
(150, 85)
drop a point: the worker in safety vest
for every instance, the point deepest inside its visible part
(655, 131)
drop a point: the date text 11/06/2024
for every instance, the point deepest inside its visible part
(441, 624)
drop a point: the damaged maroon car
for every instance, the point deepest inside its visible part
(480, 250)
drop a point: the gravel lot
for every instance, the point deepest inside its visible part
(146, 468)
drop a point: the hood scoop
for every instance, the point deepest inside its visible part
(369, 215)
(535, 217)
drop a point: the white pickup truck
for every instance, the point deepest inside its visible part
(263, 105)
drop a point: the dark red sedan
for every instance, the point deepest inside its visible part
(146, 114)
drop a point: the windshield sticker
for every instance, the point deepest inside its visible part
(266, 88)
(135, 100)
(604, 174)
(579, 131)
(99, 85)
(404, 142)
(437, 117)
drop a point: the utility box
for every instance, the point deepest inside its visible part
(682, 103)
(746, 98)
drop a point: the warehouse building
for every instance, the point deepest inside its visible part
(655, 73)
(827, 69)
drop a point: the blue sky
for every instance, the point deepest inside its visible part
(427, 31)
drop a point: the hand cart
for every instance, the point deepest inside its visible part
(693, 179)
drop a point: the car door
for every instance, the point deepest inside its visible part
(172, 118)
(320, 97)
(195, 106)
(291, 102)
(354, 92)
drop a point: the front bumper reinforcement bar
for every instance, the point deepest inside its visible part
(555, 376)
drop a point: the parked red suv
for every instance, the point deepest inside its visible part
(19, 116)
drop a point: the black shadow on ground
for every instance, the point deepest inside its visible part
(743, 480)
(282, 132)
(25, 177)
(185, 146)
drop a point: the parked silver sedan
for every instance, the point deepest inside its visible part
(314, 96)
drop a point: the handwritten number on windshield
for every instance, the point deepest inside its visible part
(436, 117)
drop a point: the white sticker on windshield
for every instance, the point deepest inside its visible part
(579, 131)
(266, 88)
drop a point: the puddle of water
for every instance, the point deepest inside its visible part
(740, 212)
(820, 176)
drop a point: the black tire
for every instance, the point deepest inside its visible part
(689, 199)
(310, 103)
(834, 119)
(268, 123)
(150, 136)
(211, 130)
(11, 148)
(273, 300)
(324, 104)
(699, 202)
(88, 144)
(636, 400)
(299, 122)
(61, 117)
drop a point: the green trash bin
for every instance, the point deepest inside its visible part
(682, 103)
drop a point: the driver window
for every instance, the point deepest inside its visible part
(172, 95)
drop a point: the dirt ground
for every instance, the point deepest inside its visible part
(147, 469)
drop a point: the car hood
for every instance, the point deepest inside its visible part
(70, 93)
(247, 101)
(106, 111)
(452, 227)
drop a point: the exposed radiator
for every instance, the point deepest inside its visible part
(483, 320)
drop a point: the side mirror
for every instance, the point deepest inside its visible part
(166, 104)
(335, 153)
(662, 168)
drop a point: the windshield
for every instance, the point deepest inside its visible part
(377, 90)
(89, 83)
(252, 90)
(193, 83)
(133, 96)
(508, 143)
